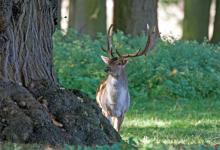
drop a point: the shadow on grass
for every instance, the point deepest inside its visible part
(175, 109)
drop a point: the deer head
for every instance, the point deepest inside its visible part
(116, 63)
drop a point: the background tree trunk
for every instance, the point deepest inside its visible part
(88, 16)
(71, 14)
(59, 13)
(196, 19)
(33, 109)
(216, 32)
(132, 16)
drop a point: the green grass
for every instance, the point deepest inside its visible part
(175, 90)
(169, 122)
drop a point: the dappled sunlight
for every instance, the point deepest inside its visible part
(172, 132)
(146, 140)
(140, 122)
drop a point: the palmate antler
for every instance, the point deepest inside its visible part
(150, 42)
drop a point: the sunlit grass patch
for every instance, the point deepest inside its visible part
(145, 123)
(163, 122)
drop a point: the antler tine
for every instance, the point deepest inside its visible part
(117, 52)
(149, 44)
(109, 49)
(104, 50)
(109, 41)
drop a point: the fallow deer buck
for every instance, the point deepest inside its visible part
(112, 95)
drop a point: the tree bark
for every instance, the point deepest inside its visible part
(216, 35)
(196, 19)
(88, 17)
(26, 41)
(71, 14)
(59, 14)
(132, 16)
(33, 108)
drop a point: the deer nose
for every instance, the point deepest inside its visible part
(107, 69)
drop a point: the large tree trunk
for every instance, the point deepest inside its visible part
(216, 32)
(196, 19)
(33, 109)
(88, 16)
(26, 41)
(132, 16)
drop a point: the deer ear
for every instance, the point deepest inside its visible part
(105, 59)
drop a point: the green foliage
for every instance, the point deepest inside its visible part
(174, 90)
(181, 69)
(167, 2)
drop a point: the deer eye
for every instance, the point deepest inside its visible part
(121, 63)
(107, 69)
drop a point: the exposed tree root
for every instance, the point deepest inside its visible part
(51, 116)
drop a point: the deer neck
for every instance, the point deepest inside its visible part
(118, 81)
(117, 88)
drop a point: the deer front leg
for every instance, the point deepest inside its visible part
(117, 121)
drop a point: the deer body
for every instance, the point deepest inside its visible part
(114, 99)
(112, 95)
